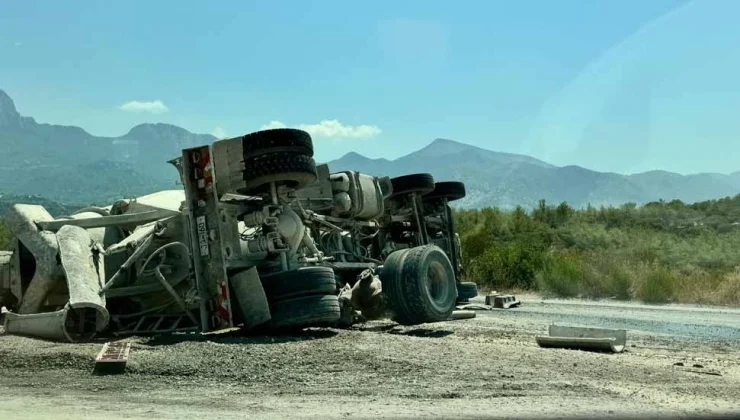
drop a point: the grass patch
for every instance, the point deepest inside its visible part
(658, 286)
(727, 291)
(573, 274)
(619, 283)
(597, 276)
(562, 275)
(706, 288)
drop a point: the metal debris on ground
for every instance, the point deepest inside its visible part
(502, 301)
(704, 372)
(461, 315)
(475, 307)
(581, 338)
(112, 358)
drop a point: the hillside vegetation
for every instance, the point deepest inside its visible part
(660, 252)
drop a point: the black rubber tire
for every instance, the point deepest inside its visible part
(278, 140)
(306, 311)
(407, 292)
(305, 281)
(451, 190)
(467, 290)
(292, 169)
(416, 183)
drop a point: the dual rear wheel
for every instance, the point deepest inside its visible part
(303, 297)
(419, 285)
(423, 184)
(281, 156)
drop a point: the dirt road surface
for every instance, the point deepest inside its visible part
(680, 361)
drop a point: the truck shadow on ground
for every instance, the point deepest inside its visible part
(395, 329)
(243, 337)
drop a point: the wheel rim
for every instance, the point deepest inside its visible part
(437, 284)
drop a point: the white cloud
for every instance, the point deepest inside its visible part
(272, 124)
(153, 107)
(331, 129)
(218, 133)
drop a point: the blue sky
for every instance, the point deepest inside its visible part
(623, 86)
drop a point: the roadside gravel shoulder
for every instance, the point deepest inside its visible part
(379, 369)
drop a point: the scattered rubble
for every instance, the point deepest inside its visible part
(502, 301)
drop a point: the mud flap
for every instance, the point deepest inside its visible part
(250, 297)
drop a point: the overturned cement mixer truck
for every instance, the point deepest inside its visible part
(260, 237)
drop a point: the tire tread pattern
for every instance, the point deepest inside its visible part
(405, 295)
(419, 312)
(305, 311)
(452, 190)
(419, 183)
(288, 140)
(299, 170)
(297, 283)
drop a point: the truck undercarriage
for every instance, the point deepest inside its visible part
(260, 238)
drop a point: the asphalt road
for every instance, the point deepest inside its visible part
(677, 322)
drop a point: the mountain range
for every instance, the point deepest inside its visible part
(507, 180)
(69, 165)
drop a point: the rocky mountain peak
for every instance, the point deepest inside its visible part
(9, 116)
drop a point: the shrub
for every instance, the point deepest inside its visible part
(562, 275)
(658, 286)
(699, 286)
(507, 265)
(619, 281)
(607, 275)
(727, 292)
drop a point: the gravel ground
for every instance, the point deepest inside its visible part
(680, 361)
